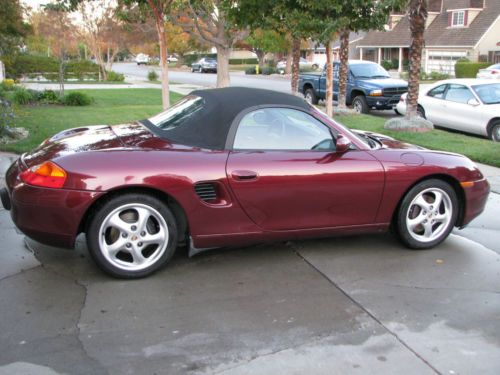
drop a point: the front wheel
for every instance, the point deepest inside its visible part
(360, 104)
(132, 236)
(427, 214)
(495, 132)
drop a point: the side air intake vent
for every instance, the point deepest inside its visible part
(207, 191)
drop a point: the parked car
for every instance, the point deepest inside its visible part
(172, 58)
(303, 64)
(142, 59)
(204, 65)
(369, 86)
(492, 71)
(230, 167)
(468, 105)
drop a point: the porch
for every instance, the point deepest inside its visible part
(398, 55)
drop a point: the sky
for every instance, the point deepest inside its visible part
(35, 3)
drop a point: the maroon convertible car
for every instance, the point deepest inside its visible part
(233, 166)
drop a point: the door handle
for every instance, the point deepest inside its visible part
(244, 175)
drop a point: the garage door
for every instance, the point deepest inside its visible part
(443, 61)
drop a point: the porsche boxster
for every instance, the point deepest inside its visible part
(233, 167)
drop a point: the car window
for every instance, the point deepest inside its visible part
(368, 71)
(282, 129)
(437, 92)
(488, 93)
(459, 94)
(496, 66)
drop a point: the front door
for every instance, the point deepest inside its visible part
(286, 175)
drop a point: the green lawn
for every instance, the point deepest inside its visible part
(477, 149)
(111, 106)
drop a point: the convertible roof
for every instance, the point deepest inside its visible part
(209, 127)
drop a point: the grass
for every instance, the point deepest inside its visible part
(112, 106)
(478, 149)
(78, 82)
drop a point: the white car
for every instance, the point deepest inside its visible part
(468, 105)
(492, 71)
(172, 59)
(303, 63)
(142, 59)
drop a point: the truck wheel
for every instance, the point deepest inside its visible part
(310, 96)
(360, 105)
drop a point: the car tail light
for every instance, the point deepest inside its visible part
(47, 174)
(495, 71)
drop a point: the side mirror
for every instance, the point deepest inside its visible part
(473, 102)
(343, 144)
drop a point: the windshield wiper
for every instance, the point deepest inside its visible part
(380, 76)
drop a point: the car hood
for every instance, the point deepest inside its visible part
(384, 82)
(388, 142)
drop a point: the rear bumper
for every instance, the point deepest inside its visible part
(475, 200)
(49, 216)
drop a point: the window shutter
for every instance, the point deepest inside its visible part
(466, 16)
(450, 16)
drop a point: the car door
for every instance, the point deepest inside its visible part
(458, 113)
(434, 105)
(285, 173)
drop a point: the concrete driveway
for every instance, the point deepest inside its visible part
(355, 305)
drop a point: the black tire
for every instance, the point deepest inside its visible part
(421, 111)
(495, 132)
(310, 96)
(155, 255)
(426, 217)
(360, 104)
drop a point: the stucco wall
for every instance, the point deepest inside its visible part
(490, 40)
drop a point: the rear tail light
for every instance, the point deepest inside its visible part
(47, 174)
(495, 71)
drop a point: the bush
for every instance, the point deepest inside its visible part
(250, 70)
(243, 61)
(48, 96)
(469, 69)
(7, 84)
(115, 77)
(438, 76)
(76, 98)
(23, 96)
(6, 115)
(386, 64)
(267, 70)
(81, 70)
(395, 63)
(152, 75)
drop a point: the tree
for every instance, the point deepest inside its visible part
(208, 21)
(57, 29)
(12, 26)
(179, 41)
(264, 41)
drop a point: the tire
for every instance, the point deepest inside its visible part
(310, 96)
(421, 112)
(495, 132)
(315, 66)
(397, 112)
(419, 223)
(118, 242)
(360, 104)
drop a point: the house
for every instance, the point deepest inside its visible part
(455, 29)
(316, 53)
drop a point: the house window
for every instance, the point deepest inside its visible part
(458, 19)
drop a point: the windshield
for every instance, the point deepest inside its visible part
(178, 113)
(488, 93)
(210, 60)
(368, 71)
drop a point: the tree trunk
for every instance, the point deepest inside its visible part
(288, 67)
(223, 79)
(295, 65)
(418, 17)
(329, 79)
(61, 76)
(343, 69)
(162, 38)
(260, 56)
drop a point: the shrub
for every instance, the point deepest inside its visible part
(76, 98)
(81, 70)
(115, 77)
(250, 70)
(48, 96)
(8, 84)
(395, 63)
(152, 75)
(23, 96)
(267, 70)
(386, 64)
(437, 76)
(243, 61)
(469, 69)
(7, 116)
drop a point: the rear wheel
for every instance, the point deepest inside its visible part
(310, 96)
(397, 112)
(427, 214)
(132, 236)
(420, 112)
(495, 132)
(360, 104)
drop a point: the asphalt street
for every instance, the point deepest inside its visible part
(352, 305)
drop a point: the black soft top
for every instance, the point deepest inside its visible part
(209, 126)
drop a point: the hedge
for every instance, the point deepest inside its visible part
(469, 69)
(189, 59)
(243, 61)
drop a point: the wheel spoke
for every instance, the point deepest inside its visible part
(413, 223)
(137, 255)
(428, 230)
(422, 203)
(156, 238)
(438, 200)
(116, 246)
(143, 217)
(116, 221)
